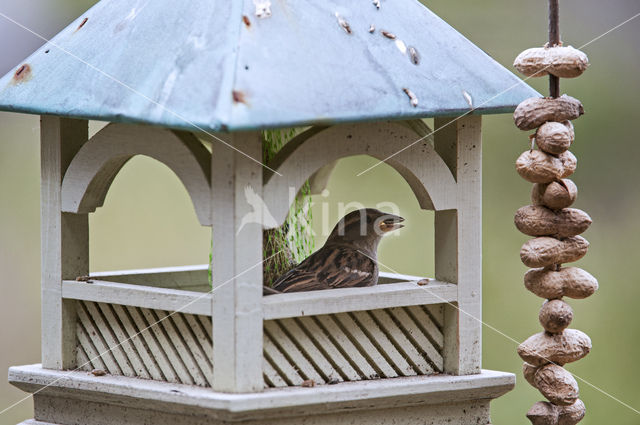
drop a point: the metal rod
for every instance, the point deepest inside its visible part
(554, 40)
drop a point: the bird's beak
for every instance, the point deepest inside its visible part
(392, 222)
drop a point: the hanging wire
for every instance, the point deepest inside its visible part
(554, 40)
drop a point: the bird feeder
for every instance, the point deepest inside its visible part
(163, 348)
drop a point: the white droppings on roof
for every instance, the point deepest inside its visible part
(468, 98)
(412, 97)
(401, 46)
(263, 8)
(414, 55)
(343, 23)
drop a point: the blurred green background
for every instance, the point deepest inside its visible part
(148, 220)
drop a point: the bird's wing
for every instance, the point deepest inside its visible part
(269, 291)
(299, 278)
(330, 267)
(349, 269)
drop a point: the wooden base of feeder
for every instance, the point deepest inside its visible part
(63, 398)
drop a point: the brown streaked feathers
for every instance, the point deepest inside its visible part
(348, 258)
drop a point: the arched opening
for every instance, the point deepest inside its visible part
(157, 181)
(369, 156)
(421, 173)
(420, 166)
(409, 250)
(148, 221)
(92, 170)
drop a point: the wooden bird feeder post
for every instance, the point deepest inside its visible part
(157, 346)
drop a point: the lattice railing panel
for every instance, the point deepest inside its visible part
(385, 343)
(177, 348)
(154, 344)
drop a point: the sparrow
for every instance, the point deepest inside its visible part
(348, 258)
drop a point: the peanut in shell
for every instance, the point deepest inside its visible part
(555, 195)
(571, 282)
(569, 163)
(533, 112)
(545, 413)
(542, 348)
(537, 220)
(554, 137)
(572, 414)
(557, 385)
(538, 167)
(561, 61)
(545, 251)
(555, 316)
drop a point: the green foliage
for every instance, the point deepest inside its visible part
(291, 243)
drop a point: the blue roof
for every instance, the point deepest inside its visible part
(216, 65)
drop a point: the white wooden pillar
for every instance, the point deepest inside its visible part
(236, 185)
(64, 240)
(458, 242)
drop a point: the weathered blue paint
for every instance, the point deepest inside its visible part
(184, 63)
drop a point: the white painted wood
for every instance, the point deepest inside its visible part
(389, 341)
(180, 277)
(322, 340)
(388, 277)
(162, 360)
(458, 236)
(280, 363)
(178, 342)
(110, 340)
(83, 362)
(121, 338)
(179, 339)
(185, 370)
(138, 296)
(163, 396)
(208, 329)
(311, 350)
(428, 325)
(286, 345)
(318, 182)
(92, 330)
(92, 171)
(271, 376)
(64, 240)
(419, 127)
(436, 313)
(274, 306)
(357, 299)
(347, 347)
(402, 344)
(236, 183)
(91, 358)
(66, 410)
(202, 337)
(365, 341)
(422, 168)
(418, 336)
(138, 342)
